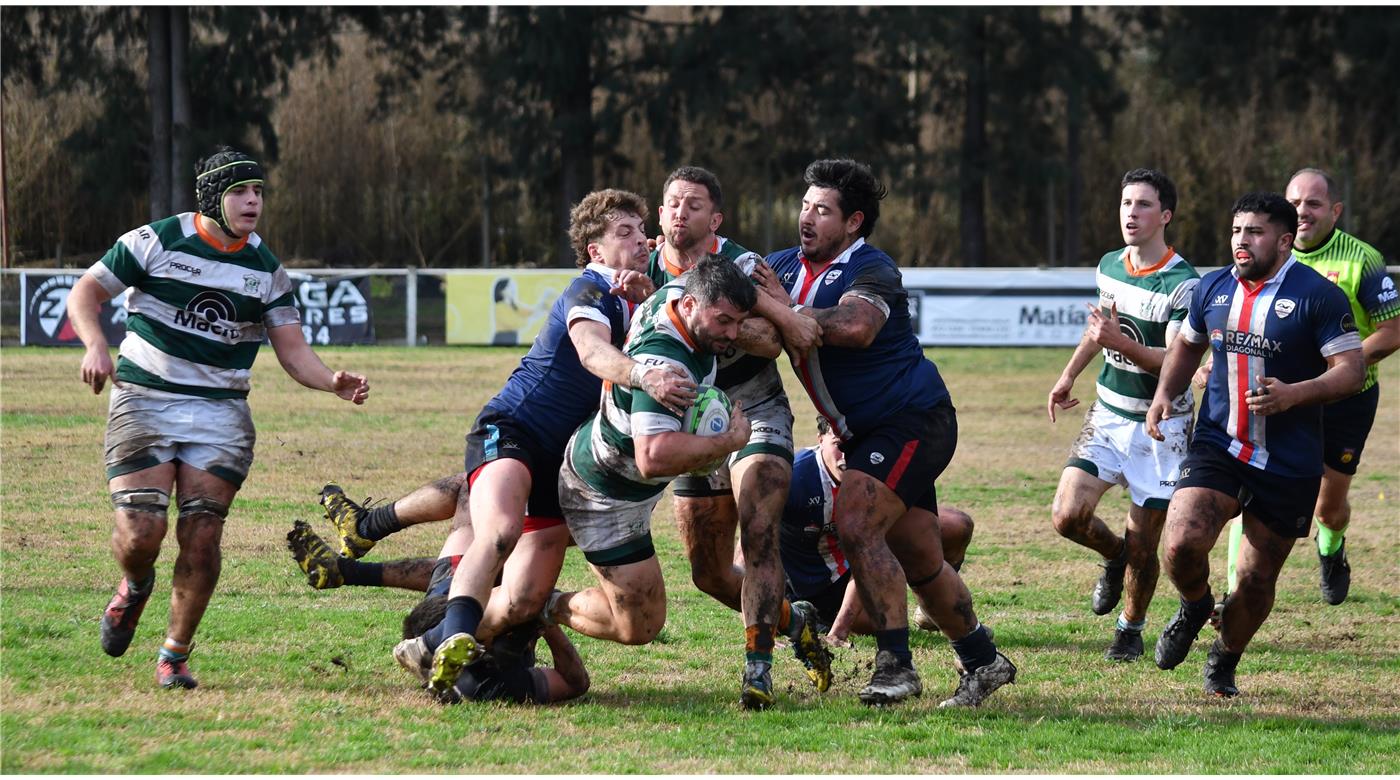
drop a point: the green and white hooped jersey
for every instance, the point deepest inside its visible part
(748, 379)
(1152, 304)
(1359, 269)
(196, 315)
(604, 454)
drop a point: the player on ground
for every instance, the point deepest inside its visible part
(1284, 342)
(619, 462)
(747, 490)
(814, 562)
(204, 292)
(522, 431)
(1144, 289)
(888, 404)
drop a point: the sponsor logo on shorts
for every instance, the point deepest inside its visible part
(765, 429)
(1167, 483)
(1348, 455)
(1284, 307)
(876, 458)
(1186, 472)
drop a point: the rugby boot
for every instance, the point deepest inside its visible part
(892, 682)
(1109, 589)
(456, 653)
(1175, 642)
(174, 673)
(314, 557)
(1220, 672)
(925, 621)
(807, 646)
(414, 657)
(1126, 647)
(975, 687)
(121, 616)
(1336, 575)
(345, 515)
(756, 692)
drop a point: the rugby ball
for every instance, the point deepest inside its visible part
(708, 416)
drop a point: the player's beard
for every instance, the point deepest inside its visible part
(1258, 267)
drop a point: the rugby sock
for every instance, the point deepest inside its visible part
(1232, 576)
(976, 649)
(463, 616)
(758, 643)
(142, 587)
(360, 572)
(1136, 627)
(896, 641)
(1198, 608)
(1329, 541)
(441, 581)
(174, 650)
(785, 618)
(378, 523)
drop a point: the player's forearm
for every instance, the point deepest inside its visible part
(845, 620)
(1383, 343)
(674, 453)
(567, 662)
(1084, 353)
(1147, 358)
(758, 336)
(84, 303)
(298, 359)
(782, 318)
(851, 323)
(597, 354)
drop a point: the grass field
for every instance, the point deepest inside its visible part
(294, 680)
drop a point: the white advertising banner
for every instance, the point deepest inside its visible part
(1000, 306)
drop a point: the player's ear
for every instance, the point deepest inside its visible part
(715, 222)
(854, 222)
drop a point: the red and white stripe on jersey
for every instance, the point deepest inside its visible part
(831, 552)
(804, 291)
(1249, 313)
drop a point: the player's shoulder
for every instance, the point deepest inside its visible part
(1354, 246)
(730, 249)
(865, 255)
(784, 256)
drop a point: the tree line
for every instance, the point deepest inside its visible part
(458, 137)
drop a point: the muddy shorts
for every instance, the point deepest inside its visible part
(1118, 450)
(609, 531)
(771, 421)
(147, 427)
(496, 436)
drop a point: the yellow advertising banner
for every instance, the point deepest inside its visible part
(501, 307)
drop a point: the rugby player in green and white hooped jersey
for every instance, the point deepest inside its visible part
(619, 462)
(747, 491)
(204, 292)
(1144, 292)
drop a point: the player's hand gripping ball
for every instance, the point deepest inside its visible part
(708, 416)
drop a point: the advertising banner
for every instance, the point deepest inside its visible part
(504, 307)
(1000, 307)
(334, 309)
(45, 320)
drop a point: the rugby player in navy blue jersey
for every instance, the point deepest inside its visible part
(888, 404)
(1283, 341)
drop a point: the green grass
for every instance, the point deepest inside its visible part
(294, 680)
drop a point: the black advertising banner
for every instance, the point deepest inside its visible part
(45, 321)
(334, 309)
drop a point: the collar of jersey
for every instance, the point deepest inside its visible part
(679, 324)
(602, 270)
(841, 258)
(676, 270)
(213, 241)
(1137, 272)
(1276, 278)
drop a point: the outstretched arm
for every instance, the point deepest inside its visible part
(303, 365)
(569, 678)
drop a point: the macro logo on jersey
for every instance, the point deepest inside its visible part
(207, 312)
(1387, 293)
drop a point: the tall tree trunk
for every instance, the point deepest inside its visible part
(158, 85)
(1073, 130)
(575, 121)
(485, 210)
(972, 173)
(181, 159)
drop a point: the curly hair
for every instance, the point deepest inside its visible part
(589, 220)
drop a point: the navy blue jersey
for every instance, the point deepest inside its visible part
(503, 672)
(550, 394)
(854, 388)
(808, 544)
(1285, 328)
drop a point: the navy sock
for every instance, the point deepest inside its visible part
(1197, 609)
(379, 522)
(976, 649)
(361, 572)
(441, 581)
(434, 636)
(463, 616)
(896, 640)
